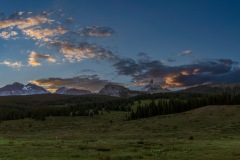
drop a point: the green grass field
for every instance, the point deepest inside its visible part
(210, 133)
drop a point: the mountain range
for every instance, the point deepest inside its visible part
(115, 89)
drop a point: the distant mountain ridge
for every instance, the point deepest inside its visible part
(214, 88)
(72, 91)
(21, 89)
(115, 90)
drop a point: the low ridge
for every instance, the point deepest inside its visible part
(215, 88)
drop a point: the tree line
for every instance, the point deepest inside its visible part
(177, 105)
(39, 107)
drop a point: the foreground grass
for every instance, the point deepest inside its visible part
(210, 132)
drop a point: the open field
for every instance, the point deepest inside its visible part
(210, 132)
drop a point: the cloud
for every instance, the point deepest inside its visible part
(6, 35)
(187, 52)
(84, 50)
(143, 56)
(196, 73)
(34, 58)
(78, 53)
(92, 83)
(135, 68)
(22, 23)
(127, 67)
(181, 80)
(68, 20)
(15, 15)
(50, 31)
(44, 34)
(12, 64)
(96, 31)
(171, 60)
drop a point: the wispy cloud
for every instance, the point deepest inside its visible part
(22, 23)
(12, 64)
(187, 52)
(84, 50)
(34, 58)
(78, 53)
(6, 35)
(44, 34)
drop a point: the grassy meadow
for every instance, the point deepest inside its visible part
(210, 132)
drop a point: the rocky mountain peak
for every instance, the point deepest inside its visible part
(61, 90)
(153, 88)
(115, 90)
(21, 89)
(151, 82)
(16, 84)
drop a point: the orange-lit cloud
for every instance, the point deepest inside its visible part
(78, 53)
(84, 50)
(23, 23)
(12, 64)
(51, 32)
(140, 83)
(170, 82)
(44, 34)
(185, 73)
(34, 58)
(7, 35)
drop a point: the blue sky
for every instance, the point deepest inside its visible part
(88, 43)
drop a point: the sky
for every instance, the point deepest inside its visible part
(86, 44)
